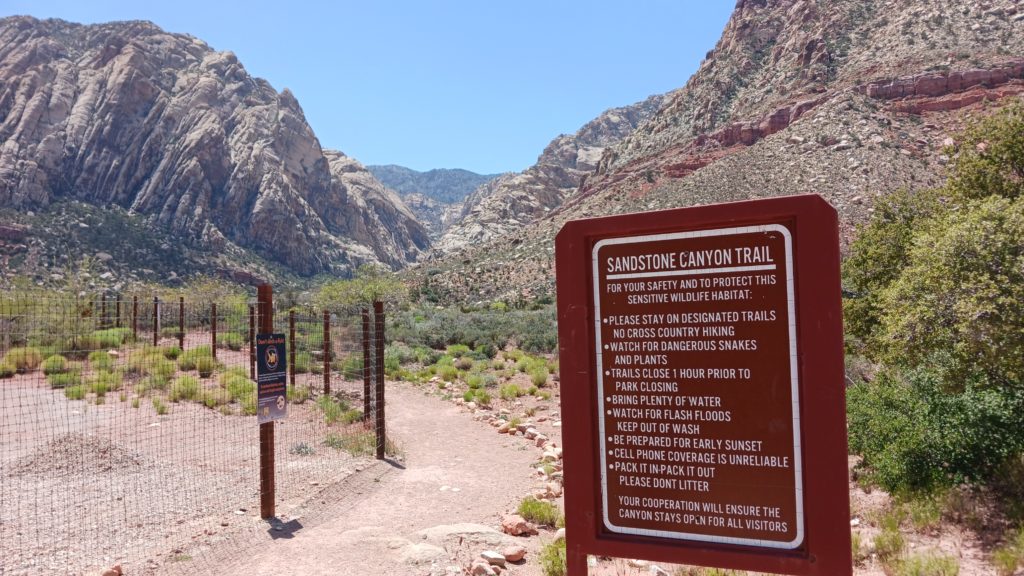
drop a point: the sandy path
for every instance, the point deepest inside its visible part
(454, 470)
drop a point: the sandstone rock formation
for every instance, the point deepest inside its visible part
(434, 196)
(514, 200)
(161, 124)
(849, 99)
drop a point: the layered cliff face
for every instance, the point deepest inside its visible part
(162, 125)
(511, 201)
(850, 99)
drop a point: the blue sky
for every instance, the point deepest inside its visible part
(481, 85)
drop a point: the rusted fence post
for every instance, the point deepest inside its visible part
(104, 320)
(327, 353)
(156, 320)
(135, 318)
(213, 328)
(366, 365)
(291, 348)
(252, 342)
(117, 323)
(265, 296)
(378, 336)
(181, 322)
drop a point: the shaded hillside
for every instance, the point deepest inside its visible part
(162, 125)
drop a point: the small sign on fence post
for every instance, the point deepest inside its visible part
(271, 377)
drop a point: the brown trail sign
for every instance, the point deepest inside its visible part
(703, 350)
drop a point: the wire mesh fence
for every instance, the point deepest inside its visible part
(128, 429)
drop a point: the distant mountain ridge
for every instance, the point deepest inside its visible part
(165, 127)
(434, 196)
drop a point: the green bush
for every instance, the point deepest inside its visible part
(75, 392)
(240, 387)
(425, 355)
(101, 360)
(7, 370)
(351, 367)
(214, 397)
(539, 376)
(336, 410)
(552, 558)
(475, 380)
(928, 565)
(110, 338)
(539, 512)
(55, 364)
(159, 406)
(298, 394)
(24, 359)
(427, 326)
(106, 380)
(184, 388)
(170, 352)
(302, 362)
(205, 365)
(914, 435)
(458, 350)
(189, 360)
(510, 392)
(230, 340)
(65, 379)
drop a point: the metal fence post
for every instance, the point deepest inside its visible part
(117, 324)
(156, 320)
(213, 328)
(252, 342)
(181, 322)
(291, 347)
(378, 317)
(366, 365)
(327, 352)
(135, 318)
(266, 304)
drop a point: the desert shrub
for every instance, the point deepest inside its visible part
(425, 355)
(399, 352)
(351, 367)
(539, 376)
(463, 363)
(552, 558)
(475, 380)
(205, 365)
(302, 362)
(510, 392)
(248, 405)
(531, 391)
(533, 330)
(458, 350)
(485, 350)
(336, 410)
(101, 360)
(214, 397)
(889, 543)
(189, 360)
(109, 338)
(170, 352)
(184, 387)
(55, 364)
(65, 379)
(539, 512)
(7, 369)
(298, 394)
(928, 565)
(1009, 557)
(916, 436)
(75, 392)
(230, 340)
(24, 358)
(483, 398)
(159, 406)
(448, 373)
(107, 380)
(240, 388)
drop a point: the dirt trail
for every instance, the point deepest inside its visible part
(454, 470)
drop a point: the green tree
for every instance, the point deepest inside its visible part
(370, 284)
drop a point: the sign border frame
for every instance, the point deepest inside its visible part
(813, 224)
(794, 378)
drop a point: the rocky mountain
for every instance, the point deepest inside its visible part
(164, 127)
(850, 99)
(511, 201)
(434, 196)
